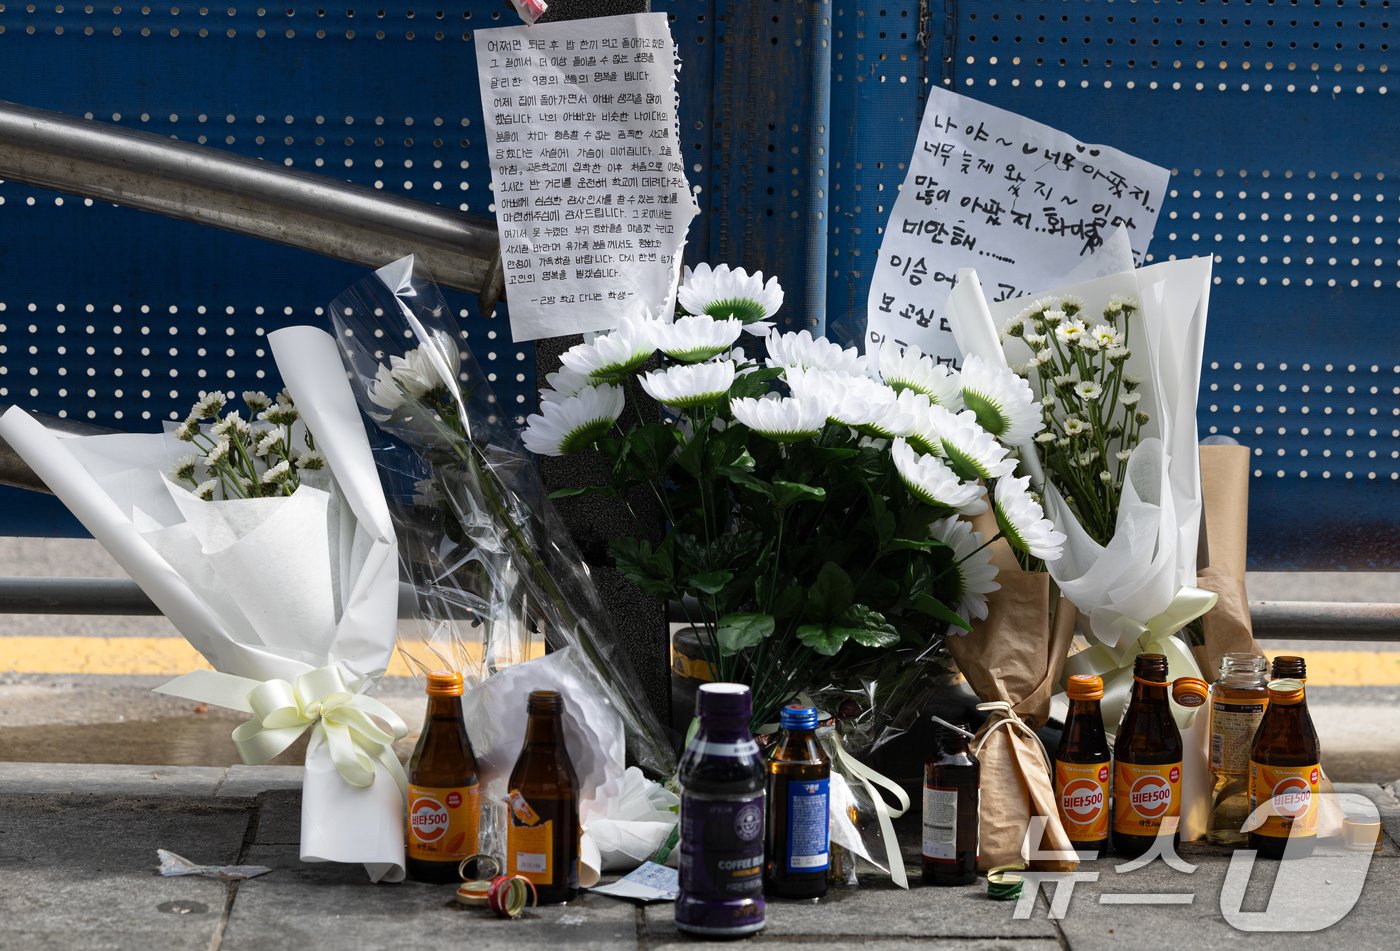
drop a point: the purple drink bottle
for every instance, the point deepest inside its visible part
(722, 815)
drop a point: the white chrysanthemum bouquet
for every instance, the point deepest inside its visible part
(816, 499)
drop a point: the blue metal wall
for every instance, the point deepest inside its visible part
(797, 117)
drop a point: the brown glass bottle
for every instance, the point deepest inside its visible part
(444, 798)
(1146, 763)
(1082, 767)
(1284, 772)
(542, 837)
(1289, 667)
(952, 784)
(797, 845)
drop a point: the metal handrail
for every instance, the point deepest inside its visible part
(248, 196)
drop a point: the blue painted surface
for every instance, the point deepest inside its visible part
(796, 120)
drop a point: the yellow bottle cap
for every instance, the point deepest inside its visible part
(1286, 692)
(1190, 691)
(1085, 687)
(444, 683)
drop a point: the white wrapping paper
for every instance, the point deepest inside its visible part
(263, 588)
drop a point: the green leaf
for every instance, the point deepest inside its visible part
(832, 592)
(751, 482)
(788, 602)
(648, 569)
(927, 604)
(737, 632)
(692, 456)
(649, 449)
(868, 627)
(789, 493)
(754, 384)
(583, 490)
(825, 639)
(915, 544)
(712, 582)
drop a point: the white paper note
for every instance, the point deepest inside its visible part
(591, 196)
(1021, 202)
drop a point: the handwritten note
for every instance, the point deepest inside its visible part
(1020, 202)
(591, 195)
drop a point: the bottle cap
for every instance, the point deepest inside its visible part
(1085, 687)
(1361, 835)
(797, 717)
(725, 701)
(444, 683)
(1286, 691)
(1190, 691)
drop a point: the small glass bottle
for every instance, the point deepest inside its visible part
(1237, 703)
(543, 831)
(952, 783)
(1147, 756)
(1082, 767)
(723, 784)
(1289, 667)
(444, 796)
(1284, 772)
(798, 843)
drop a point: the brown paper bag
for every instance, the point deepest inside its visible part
(1225, 500)
(1014, 656)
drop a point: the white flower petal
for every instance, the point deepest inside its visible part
(972, 451)
(574, 423)
(722, 292)
(689, 384)
(1001, 400)
(781, 419)
(931, 480)
(909, 368)
(972, 563)
(801, 350)
(1023, 521)
(698, 337)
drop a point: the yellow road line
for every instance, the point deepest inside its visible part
(149, 656)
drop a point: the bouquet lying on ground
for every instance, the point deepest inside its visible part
(816, 501)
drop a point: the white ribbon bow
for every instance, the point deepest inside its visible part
(282, 711)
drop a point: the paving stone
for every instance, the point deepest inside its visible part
(52, 779)
(246, 782)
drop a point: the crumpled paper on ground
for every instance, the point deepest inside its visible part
(172, 865)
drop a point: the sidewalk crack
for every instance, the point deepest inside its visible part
(250, 834)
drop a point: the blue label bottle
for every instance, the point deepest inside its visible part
(799, 794)
(722, 819)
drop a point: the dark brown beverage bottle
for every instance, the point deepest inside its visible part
(797, 844)
(1284, 772)
(1146, 763)
(444, 797)
(1289, 667)
(542, 839)
(1082, 767)
(952, 784)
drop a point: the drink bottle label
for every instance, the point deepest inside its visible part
(1146, 798)
(520, 808)
(1081, 789)
(722, 847)
(1232, 727)
(940, 823)
(530, 851)
(443, 822)
(1291, 795)
(809, 825)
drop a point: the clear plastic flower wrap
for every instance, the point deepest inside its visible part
(493, 565)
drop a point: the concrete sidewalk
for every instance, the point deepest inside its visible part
(77, 871)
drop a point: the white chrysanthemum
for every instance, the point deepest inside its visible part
(972, 451)
(1106, 336)
(723, 293)
(1023, 521)
(311, 459)
(184, 470)
(1116, 305)
(909, 368)
(575, 423)
(1130, 399)
(431, 365)
(850, 400)
(781, 419)
(1072, 303)
(1118, 354)
(1074, 426)
(689, 385)
(205, 490)
(1046, 439)
(1036, 341)
(975, 572)
(209, 405)
(232, 423)
(1123, 455)
(933, 482)
(562, 384)
(256, 400)
(187, 430)
(1053, 316)
(1040, 358)
(1071, 331)
(277, 474)
(610, 357)
(801, 349)
(268, 442)
(1066, 380)
(1001, 400)
(698, 337)
(1088, 391)
(218, 454)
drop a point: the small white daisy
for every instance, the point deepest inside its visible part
(972, 451)
(1105, 477)
(312, 459)
(1072, 304)
(1117, 305)
(1088, 391)
(184, 470)
(1037, 341)
(573, 424)
(1066, 380)
(277, 474)
(698, 337)
(1106, 336)
(232, 423)
(256, 400)
(725, 293)
(1074, 426)
(782, 419)
(218, 454)
(268, 442)
(689, 385)
(1130, 399)
(205, 490)
(611, 356)
(1023, 521)
(1123, 455)
(1053, 316)
(801, 349)
(562, 384)
(976, 575)
(209, 405)
(909, 368)
(1117, 354)
(187, 430)
(1040, 358)
(1045, 439)
(1070, 331)
(933, 482)
(1001, 401)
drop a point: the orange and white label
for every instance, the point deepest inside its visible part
(1290, 792)
(443, 823)
(1081, 789)
(1146, 799)
(530, 852)
(520, 807)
